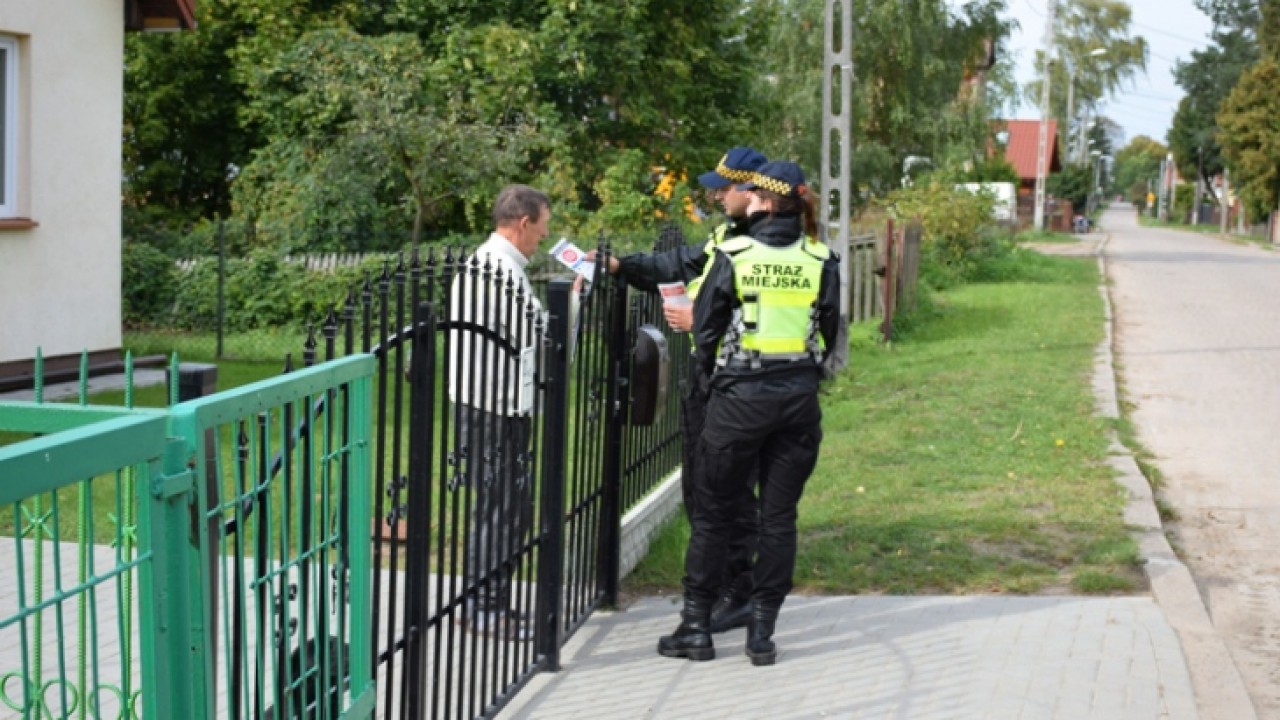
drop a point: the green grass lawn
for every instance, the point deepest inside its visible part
(965, 457)
(268, 346)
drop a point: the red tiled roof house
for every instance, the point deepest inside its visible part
(1021, 144)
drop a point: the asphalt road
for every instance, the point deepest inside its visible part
(1198, 353)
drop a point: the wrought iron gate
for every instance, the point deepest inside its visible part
(442, 324)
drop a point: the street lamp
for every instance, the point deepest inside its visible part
(909, 162)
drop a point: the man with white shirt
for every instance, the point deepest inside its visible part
(496, 321)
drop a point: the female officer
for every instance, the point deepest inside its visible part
(766, 314)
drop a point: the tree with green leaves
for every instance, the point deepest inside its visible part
(1096, 55)
(185, 137)
(182, 137)
(1137, 167)
(321, 116)
(599, 80)
(1248, 134)
(909, 68)
(664, 77)
(1207, 79)
(360, 132)
(1250, 139)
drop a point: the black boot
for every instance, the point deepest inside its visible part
(692, 639)
(760, 647)
(731, 611)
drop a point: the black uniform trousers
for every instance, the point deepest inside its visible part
(778, 437)
(745, 527)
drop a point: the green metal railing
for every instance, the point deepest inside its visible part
(56, 598)
(228, 584)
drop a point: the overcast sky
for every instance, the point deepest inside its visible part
(1172, 28)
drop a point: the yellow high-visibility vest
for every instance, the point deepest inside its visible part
(714, 240)
(778, 290)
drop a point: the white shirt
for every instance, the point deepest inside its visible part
(492, 357)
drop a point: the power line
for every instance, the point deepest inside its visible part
(1148, 111)
(1158, 31)
(1216, 63)
(1153, 97)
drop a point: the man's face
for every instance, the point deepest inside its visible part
(531, 232)
(734, 201)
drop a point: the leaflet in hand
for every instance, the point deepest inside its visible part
(573, 258)
(674, 294)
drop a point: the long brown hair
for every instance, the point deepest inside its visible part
(804, 205)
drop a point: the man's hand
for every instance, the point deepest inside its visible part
(679, 317)
(614, 265)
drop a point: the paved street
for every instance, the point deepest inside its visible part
(1198, 345)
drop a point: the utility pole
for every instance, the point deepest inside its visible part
(1195, 206)
(1071, 105)
(1042, 146)
(1084, 137)
(1224, 203)
(833, 211)
(1160, 193)
(1166, 187)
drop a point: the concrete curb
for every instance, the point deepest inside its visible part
(643, 521)
(1219, 688)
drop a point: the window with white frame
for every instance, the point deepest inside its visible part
(8, 126)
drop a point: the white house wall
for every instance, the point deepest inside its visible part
(60, 281)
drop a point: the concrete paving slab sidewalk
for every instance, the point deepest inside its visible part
(883, 657)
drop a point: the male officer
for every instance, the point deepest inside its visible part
(689, 264)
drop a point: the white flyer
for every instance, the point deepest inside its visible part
(572, 257)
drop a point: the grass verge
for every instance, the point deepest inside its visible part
(1046, 236)
(966, 456)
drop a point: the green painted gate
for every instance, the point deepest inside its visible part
(194, 562)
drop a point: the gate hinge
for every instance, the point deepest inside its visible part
(167, 486)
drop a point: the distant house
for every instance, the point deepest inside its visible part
(61, 113)
(1020, 141)
(1022, 146)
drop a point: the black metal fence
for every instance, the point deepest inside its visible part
(502, 464)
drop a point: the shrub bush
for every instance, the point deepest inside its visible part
(262, 291)
(1183, 196)
(958, 230)
(149, 283)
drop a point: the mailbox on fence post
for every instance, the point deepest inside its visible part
(196, 380)
(650, 372)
